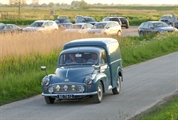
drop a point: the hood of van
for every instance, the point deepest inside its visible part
(72, 74)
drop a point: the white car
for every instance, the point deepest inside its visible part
(79, 27)
(107, 28)
(42, 25)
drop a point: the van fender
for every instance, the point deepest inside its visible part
(101, 77)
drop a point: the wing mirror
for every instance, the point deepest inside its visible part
(43, 68)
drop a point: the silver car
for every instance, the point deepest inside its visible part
(107, 28)
(42, 25)
(79, 27)
(157, 27)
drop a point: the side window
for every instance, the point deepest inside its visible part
(150, 25)
(8, 27)
(103, 58)
(115, 24)
(108, 25)
(46, 24)
(89, 26)
(50, 23)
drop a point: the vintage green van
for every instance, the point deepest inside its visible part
(85, 68)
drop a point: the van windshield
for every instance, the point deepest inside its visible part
(82, 58)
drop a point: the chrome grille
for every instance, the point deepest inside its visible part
(64, 88)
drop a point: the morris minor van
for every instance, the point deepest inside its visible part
(86, 67)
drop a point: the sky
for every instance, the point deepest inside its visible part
(156, 2)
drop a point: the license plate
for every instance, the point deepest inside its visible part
(65, 96)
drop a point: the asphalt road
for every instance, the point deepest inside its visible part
(144, 85)
(131, 31)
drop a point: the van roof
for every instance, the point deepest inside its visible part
(100, 42)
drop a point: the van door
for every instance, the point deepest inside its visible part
(105, 68)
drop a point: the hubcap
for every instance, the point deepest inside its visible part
(100, 92)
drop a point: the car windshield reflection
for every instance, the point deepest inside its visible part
(160, 25)
(83, 58)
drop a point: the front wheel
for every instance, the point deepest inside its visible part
(98, 97)
(141, 33)
(49, 100)
(117, 89)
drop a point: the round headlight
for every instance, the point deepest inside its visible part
(88, 79)
(81, 88)
(50, 89)
(45, 81)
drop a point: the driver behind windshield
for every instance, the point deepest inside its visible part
(72, 59)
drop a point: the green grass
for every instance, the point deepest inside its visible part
(165, 110)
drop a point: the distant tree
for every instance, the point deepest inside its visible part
(51, 4)
(80, 4)
(35, 2)
(75, 3)
(84, 5)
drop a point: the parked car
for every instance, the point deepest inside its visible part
(170, 20)
(107, 28)
(85, 19)
(9, 28)
(112, 19)
(124, 22)
(63, 21)
(84, 78)
(154, 27)
(42, 25)
(79, 27)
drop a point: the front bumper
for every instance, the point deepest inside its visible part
(69, 95)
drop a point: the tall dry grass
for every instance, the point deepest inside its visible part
(19, 44)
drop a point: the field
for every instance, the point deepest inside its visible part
(21, 55)
(135, 14)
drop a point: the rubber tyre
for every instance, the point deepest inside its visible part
(141, 33)
(49, 100)
(117, 89)
(99, 96)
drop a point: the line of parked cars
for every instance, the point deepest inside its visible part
(86, 24)
(82, 24)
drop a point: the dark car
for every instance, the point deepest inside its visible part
(85, 19)
(112, 19)
(121, 20)
(63, 21)
(124, 21)
(9, 28)
(86, 67)
(170, 20)
(154, 27)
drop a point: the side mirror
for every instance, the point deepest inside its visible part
(96, 67)
(43, 67)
